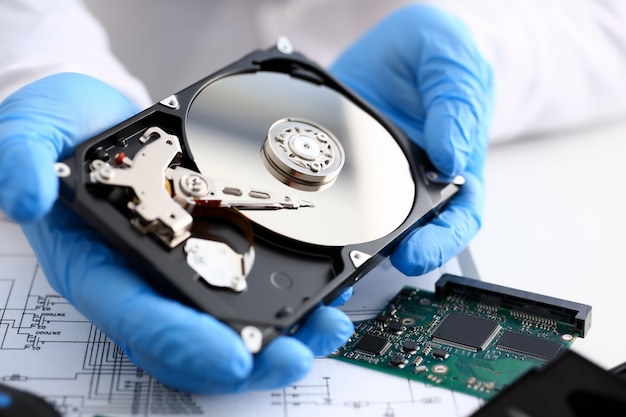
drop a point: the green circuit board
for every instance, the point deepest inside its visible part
(468, 336)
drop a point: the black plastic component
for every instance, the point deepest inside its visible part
(576, 314)
(620, 371)
(19, 403)
(568, 386)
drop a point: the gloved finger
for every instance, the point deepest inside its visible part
(283, 361)
(421, 69)
(430, 246)
(341, 300)
(288, 359)
(325, 330)
(41, 123)
(453, 132)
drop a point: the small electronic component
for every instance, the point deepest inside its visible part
(372, 345)
(398, 360)
(395, 326)
(473, 337)
(409, 346)
(407, 292)
(440, 354)
(421, 369)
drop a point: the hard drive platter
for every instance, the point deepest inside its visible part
(372, 195)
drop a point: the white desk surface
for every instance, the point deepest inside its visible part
(555, 224)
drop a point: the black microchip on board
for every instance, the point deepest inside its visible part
(398, 360)
(466, 331)
(440, 354)
(408, 292)
(395, 326)
(409, 346)
(372, 345)
(529, 345)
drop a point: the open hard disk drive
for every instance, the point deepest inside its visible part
(256, 193)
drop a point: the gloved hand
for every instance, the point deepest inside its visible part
(183, 348)
(420, 68)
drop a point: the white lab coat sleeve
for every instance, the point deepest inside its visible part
(557, 64)
(39, 38)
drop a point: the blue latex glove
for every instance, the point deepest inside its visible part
(183, 348)
(420, 68)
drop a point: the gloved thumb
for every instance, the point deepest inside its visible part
(41, 123)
